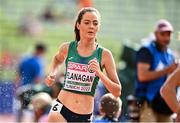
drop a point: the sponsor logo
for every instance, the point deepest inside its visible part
(79, 67)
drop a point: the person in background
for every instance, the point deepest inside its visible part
(41, 103)
(30, 25)
(85, 3)
(154, 62)
(110, 108)
(101, 90)
(168, 92)
(30, 72)
(31, 68)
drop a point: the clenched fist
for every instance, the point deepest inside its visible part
(49, 80)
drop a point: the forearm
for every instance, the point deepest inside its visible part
(146, 76)
(169, 95)
(54, 65)
(111, 86)
(58, 59)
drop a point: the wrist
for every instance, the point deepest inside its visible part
(99, 74)
(52, 73)
(165, 71)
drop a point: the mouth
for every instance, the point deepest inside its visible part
(90, 32)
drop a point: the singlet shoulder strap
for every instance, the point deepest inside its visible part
(99, 54)
(71, 49)
(72, 45)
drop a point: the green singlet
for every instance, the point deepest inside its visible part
(78, 77)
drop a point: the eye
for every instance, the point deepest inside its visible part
(86, 22)
(95, 23)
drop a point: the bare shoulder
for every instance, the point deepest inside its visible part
(106, 53)
(64, 46)
(63, 51)
(106, 56)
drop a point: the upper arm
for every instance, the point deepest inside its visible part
(142, 67)
(109, 65)
(144, 60)
(62, 52)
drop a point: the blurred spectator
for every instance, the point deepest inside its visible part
(30, 26)
(168, 92)
(155, 62)
(31, 68)
(101, 90)
(127, 77)
(48, 14)
(41, 103)
(85, 3)
(133, 109)
(5, 58)
(110, 108)
(30, 72)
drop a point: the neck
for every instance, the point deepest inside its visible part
(160, 47)
(87, 44)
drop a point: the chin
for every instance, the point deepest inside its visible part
(90, 37)
(166, 43)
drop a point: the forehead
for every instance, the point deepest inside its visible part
(165, 32)
(90, 16)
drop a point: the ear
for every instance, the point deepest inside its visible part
(77, 25)
(99, 27)
(101, 111)
(155, 33)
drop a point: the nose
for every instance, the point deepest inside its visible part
(168, 37)
(91, 25)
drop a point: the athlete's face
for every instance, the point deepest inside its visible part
(89, 25)
(163, 38)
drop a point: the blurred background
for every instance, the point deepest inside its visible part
(125, 24)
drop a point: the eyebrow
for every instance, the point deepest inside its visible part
(92, 21)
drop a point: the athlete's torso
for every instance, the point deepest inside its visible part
(80, 83)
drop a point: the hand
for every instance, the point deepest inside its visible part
(49, 80)
(94, 66)
(171, 68)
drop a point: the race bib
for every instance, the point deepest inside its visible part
(79, 77)
(56, 106)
